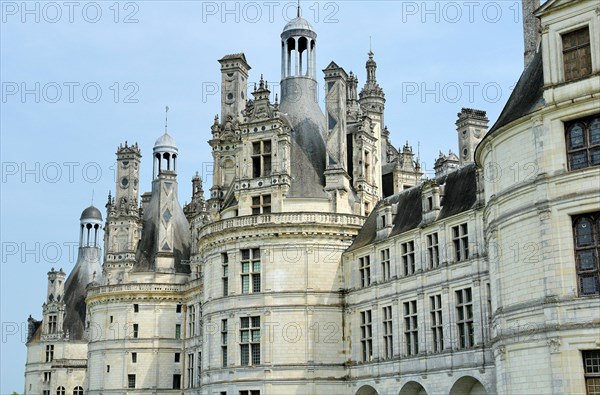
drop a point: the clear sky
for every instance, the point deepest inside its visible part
(80, 78)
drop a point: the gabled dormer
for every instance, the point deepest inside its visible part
(430, 201)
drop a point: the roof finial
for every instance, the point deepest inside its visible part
(298, 8)
(92, 196)
(166, 118)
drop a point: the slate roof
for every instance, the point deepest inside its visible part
(460, 195)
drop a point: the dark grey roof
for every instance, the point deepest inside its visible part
(387, 168)
(91, 213)
(528, 95)
(460, 195)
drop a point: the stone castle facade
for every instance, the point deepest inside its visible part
(323, 261)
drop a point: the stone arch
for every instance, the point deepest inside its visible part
(412, 388)
(467, 385)
(367, 390)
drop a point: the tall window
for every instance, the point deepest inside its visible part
(131, 381)
(224, 343)
(79, 391)
(52, 326)
(261, 204)
(47, 376)
(190, 371)
(460, 239)
(587, 252)
(364, 267)
(388, 337)
(192, 320)
(577, 57)
(591, 366)
(250, 270)
(60, 391)
(250, 340)
(433, 251)
(177, 331)
(136, 329)
(437, 327)
(50, 353)
(366, 335)
(225, 276)
(134, 357)
(176, 381)
(261, 158)
(464, 318)
(199, 362)
(368, 166)
(411, 329)
(408, 257)
(583, 142)
(385, 265)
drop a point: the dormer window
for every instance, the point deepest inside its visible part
(577, 57)
(261, 158)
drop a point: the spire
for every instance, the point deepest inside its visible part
(166, 117)
(298, 9)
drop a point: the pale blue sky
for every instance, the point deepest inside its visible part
(465, 54)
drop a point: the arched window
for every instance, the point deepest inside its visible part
(60, 391)
(586, 231)
(78, 391)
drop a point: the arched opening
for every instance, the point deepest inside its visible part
(412, 388)
(467, 385)
(291, 47)
(367, 390)
(89, 230)
(303, 55)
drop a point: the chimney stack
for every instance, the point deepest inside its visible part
(531, 29)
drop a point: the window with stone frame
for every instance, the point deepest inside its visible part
(388, 333)
(591, 369)
(408, 257)
(364, 268)
(386, 273)
(433, 251)
(411, 328)
(583, 142)
(577, 57)
(251, 282)
(261, 158)
(190, 370)
(79, 390)
(49, 352)
(437, 326)
(52, 323)
(191, 320)
(460, 240)
(225, 274)
(61, 391)
(261, 204)
(224, 335)
(250, 392)
(366, 335)
(250, 340)
(177, 381)
(464, 318)
(131, 381)
(586, 230)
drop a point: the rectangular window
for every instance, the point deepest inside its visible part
(367, 166)
(111, 319)
(577, 58)
(364, 266)
(52, 326)
(134, 357)
(261, 204)
(178, 308)
(131, 381)
(591, 366)
(199, 368)
(388, 337)
(47, 376)
(251, 392)
(250, 270)
(261, 158)
(224, 343)
(586, 231)
(190, 371)
(50, 353)
(176, 381)
(177, 331)
(250, 340)
(464, 318)
(225, 275)
(191, 320)
(411, 332)
(433, 251)
(177, 357)
(408, 257)
(583, 142)
(460, 239)
(46, 392)
(385, 265)
(136, 331)
(366, 335)
(437, 326)
(136, 308)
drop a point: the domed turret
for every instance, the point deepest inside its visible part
(165, 154)
(91, 223)
(298, 55)
(91, 213)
